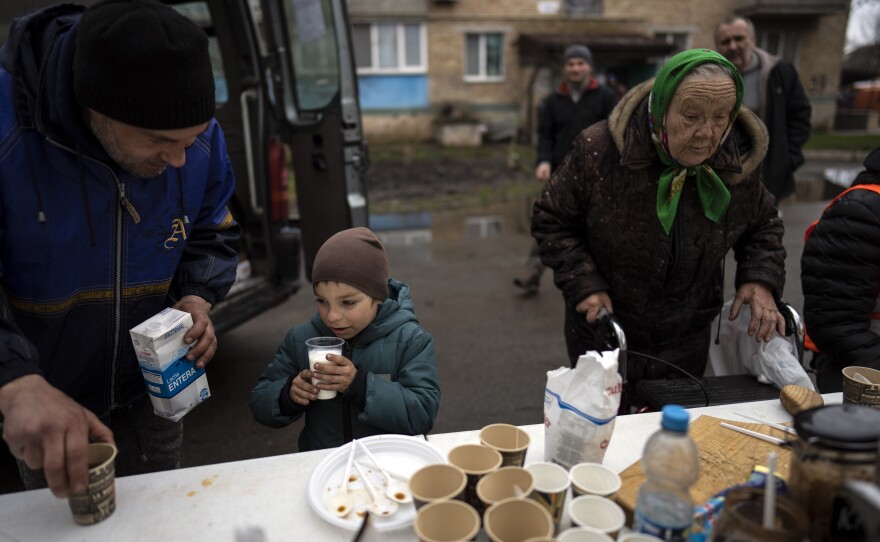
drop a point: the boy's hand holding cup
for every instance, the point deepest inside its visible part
(319, 348)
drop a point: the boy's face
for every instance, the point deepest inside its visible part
(343, 308)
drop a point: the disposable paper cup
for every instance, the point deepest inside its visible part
(594, 479)
(599, 513)
(476, 461)
(859, 392)
(319, 347)
(551, 488)
(446, 521)
(583, 534)
(437, 482)
(98, 501)
(510, 440)
(637, 537)
(505, 483)
(514, 520)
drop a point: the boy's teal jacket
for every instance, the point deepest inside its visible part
(78, 267)
(403, 391)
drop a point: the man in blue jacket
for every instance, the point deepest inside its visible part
(114, 183)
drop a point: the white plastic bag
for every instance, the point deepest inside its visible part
(580, 406)
(774, 362)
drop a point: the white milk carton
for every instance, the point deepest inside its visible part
(174, 383)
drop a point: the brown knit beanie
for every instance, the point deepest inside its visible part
(355, 257)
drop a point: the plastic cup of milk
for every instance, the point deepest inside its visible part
(319, 347)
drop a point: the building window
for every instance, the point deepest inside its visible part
(781, 42)
(389, 47)
(483, 227)
(582, 7)
(681, 41)
(484, 57)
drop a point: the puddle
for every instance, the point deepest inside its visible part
(486, 222)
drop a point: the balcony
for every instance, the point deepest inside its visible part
(387, 8)
(790, 8)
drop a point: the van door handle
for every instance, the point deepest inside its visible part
(304, 125)
(247, 96)
(319, 162)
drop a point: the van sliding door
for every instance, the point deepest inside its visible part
(316, 97)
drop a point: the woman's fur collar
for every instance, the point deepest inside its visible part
(732, 164)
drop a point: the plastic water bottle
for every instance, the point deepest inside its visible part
(671, 462)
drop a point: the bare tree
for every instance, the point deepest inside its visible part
(863, 27)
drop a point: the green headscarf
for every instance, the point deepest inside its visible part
(714, 195)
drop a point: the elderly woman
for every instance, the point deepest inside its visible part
(639, 217)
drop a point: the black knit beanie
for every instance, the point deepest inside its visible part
(355, 257)
(578, 51)
(142, 63)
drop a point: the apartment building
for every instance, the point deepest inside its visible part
(424, 62)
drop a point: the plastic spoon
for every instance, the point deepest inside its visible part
(395, 490)
(770, 493)
(341, 503)
(382, 506)
(861, 378)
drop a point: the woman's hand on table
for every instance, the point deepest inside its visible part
(591, 305)
(765, 316)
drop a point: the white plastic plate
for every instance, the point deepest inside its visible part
(398, 454)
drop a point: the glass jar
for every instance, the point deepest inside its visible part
(835, 443)
(742, 519)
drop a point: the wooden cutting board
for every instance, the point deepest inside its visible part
(726, 459)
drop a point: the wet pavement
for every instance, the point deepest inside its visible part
(494, 345)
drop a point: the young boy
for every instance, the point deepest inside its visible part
(386, 378)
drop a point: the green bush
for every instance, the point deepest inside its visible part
(847, 142)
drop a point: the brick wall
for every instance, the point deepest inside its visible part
(821, 58)
(389, 127)
(471, 9)
(819, 62)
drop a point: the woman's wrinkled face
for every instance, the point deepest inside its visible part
(697, 118)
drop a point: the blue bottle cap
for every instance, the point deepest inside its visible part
(675, 418)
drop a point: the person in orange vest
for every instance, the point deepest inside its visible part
(840, 277)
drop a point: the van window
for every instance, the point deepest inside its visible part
(199, 13)
(312, 33)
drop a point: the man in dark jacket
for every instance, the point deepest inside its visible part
(840, 275)
(773, 91)
(114, 183)
(578, 103)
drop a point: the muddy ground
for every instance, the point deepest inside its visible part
(409, 177)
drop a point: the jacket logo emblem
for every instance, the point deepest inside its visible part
(178, 231)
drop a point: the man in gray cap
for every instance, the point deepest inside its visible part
(579, 102)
